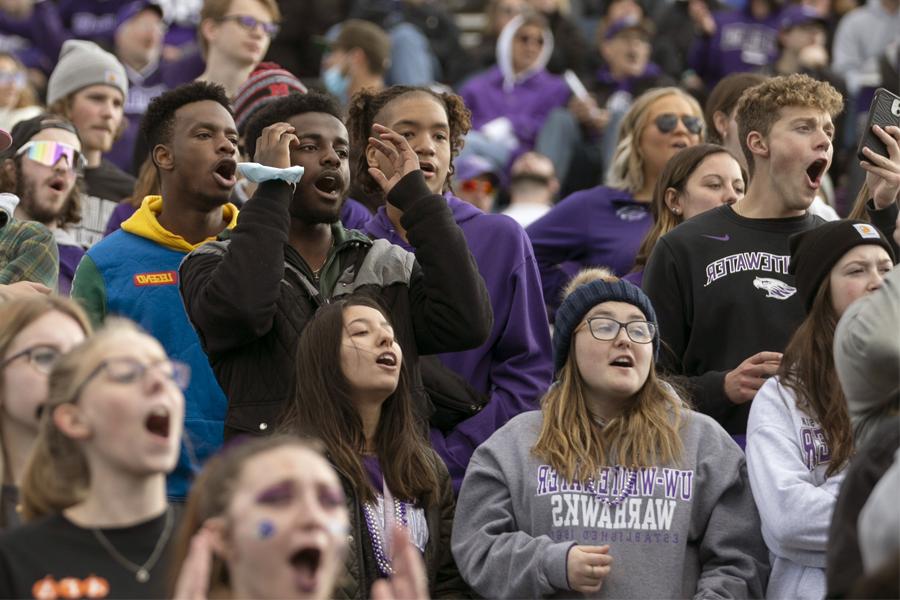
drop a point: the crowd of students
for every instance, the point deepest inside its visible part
(309, 357)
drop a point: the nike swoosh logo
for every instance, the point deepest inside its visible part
(721, 238)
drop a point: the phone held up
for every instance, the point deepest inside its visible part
(884, 111)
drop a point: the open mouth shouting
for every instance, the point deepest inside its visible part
(57, 184)
(387, 360)
(815, 172)
(305, 563)
(224, 172)
(158, 422)
(329, 184)
(429, 169)
(624, 361)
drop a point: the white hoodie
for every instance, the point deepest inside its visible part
(786, 461)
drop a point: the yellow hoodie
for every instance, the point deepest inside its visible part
(145, 223)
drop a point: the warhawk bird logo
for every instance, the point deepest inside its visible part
(774, 288)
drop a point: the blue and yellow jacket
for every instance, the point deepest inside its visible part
(134, 273)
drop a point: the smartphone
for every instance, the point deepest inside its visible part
(884, 111)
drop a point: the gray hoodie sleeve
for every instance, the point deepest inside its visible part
(733, 556)
(495, 557)
(867, 354)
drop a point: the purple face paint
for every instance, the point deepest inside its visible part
(265, 529)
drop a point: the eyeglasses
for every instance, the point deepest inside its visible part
(606, 329)
(474, 186)
(530, 39)
(667, 122)
(250, 23)
(128, 371)
(16, 78)
(48, 153)
(41, 357)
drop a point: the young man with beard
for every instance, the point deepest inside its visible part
(134, 271)
(88, 87)
(512, 369)
(251, 294)
(725, 299)
(42, 167)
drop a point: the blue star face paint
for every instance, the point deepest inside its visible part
(265, 529)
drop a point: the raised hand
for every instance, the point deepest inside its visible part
(273, 146)
(398, 153)
(883, 172)
(409, 579)
(193, 580)
(587, 567)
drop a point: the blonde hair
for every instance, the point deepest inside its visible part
(57, 475)
(576, 446)
(760, 106)
(627, 168)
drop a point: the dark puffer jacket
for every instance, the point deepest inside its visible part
(251, 294)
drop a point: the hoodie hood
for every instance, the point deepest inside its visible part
(145, 223)
(504, 54)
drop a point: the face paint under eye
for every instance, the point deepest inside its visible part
(265, 529)
(276, 493)
(338, 528)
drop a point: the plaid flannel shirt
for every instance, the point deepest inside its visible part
(28, 252)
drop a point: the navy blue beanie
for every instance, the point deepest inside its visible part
(583, 299)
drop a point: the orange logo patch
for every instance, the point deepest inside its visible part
(161, 278)
(70, 587)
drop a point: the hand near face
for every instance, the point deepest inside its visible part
(409, 579)
(883, 172)
(587, 567)
(194, 576)
(273, 147)
(396, 151)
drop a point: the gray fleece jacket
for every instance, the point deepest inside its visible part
(675, 530)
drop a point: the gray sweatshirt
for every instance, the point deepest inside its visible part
(675, 530)
(867, 356)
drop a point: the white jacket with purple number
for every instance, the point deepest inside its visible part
(786, 460)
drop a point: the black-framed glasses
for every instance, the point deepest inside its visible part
(250, 23)
(41, 357)
(128, 371)
(606, 329)
(667, 122)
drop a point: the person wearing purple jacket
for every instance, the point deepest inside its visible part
(737, 41)
(604, 225)
(511, 100)
(513, 368)
(32, 31)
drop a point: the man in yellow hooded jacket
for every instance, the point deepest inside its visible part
(134, 272)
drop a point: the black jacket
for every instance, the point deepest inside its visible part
(361, 571)
(250, 296)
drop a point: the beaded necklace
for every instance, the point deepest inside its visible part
(380, 536)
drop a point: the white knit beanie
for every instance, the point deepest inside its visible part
(82, 63)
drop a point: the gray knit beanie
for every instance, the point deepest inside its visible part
(583, 299)
(82, 63)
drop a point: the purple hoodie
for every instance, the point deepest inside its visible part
(35, 40)
(740, 43)
(514, 366)
(598, 227)
(93, 20)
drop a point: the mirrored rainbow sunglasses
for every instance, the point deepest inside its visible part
(48, 153)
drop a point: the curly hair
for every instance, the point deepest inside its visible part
(365, 106)
(157, 123)
(284, 108)
(760, 106)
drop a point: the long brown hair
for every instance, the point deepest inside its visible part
(859, 212)
(58, 475)
(675, 175)
(366, 104)
(573, 443)
(323, 409)
(807, 369)
(211, 493)
(15, 316)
